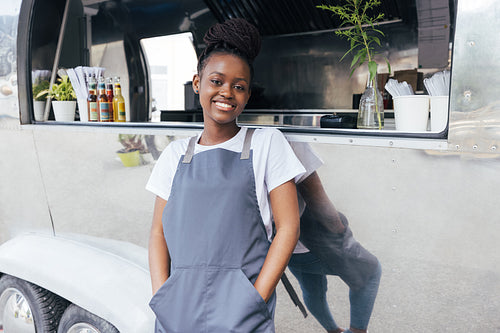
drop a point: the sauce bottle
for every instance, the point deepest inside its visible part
(119, 102)
(109, 95)
(92, 100)
(102, 100)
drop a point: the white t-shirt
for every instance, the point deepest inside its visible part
(274, 163)
(311, 162)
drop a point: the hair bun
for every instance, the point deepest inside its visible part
(238, 33)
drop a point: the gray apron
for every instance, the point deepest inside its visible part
(217, 244)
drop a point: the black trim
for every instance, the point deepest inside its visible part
(25, 93)
(285, 129)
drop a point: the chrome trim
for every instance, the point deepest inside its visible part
(15, 313)
(83, 328)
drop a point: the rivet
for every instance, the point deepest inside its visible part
(351, 140)
(391, 143)
(493, 147)
(457, 147)
(467, 95)
(474, 147)
(471, 43)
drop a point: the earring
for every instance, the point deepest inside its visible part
(196, 91)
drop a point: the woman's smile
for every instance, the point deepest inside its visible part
(223, 106)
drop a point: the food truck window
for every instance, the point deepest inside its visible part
(301, 84)
(172, 64)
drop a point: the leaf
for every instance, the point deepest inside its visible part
(388, 65)
(356, 58)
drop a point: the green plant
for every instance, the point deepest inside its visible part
(61, 91)
(41, 90)
(131, 142)
(359, 28)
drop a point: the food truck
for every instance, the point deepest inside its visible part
(75, 217)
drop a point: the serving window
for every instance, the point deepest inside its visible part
(300, 82)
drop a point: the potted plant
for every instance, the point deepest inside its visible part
(40, 93)
(63, 99)
(133, 146)
(359, 29)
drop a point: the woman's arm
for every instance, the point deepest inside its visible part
(286, 218)
(159, 258)
(318, 203)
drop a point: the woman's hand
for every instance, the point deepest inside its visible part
(286, 218)
(159, 258)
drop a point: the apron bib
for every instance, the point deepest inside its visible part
(217, 244)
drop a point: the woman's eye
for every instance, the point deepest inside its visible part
(216, 82)
(239, 87)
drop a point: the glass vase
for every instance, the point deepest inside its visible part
(371, 107)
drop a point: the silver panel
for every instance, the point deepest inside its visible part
(428, 215)
(474, 102)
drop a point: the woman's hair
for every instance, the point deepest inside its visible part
(235, 36)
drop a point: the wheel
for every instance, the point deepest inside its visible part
(77, 320)
(28, 308)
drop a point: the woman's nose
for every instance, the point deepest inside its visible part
(226, 91)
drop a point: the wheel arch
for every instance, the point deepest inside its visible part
(106, 277)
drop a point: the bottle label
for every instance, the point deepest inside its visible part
(93, 113)
(104, 111)
(121, 111)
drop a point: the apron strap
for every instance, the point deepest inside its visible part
(245, 152)
(188, 156)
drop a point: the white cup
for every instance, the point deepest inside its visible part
(411, 113)
(439, 113)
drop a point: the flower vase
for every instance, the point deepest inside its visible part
(371, 107)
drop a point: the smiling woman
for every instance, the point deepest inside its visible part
(214, 268)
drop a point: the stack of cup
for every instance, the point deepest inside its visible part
(411, 113)
(439, 113)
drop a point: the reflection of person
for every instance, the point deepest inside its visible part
(212, 223)
(333, 251)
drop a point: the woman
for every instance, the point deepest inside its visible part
(212, 223)
(327, 247)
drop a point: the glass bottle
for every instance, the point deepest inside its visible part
(109, 94)
(119, 102)
(92, 100)
(102, 100)
(371, 107)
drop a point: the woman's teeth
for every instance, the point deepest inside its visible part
(223, 105)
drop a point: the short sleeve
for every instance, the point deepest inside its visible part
(282, 164)
(160, 181)
(309, 159)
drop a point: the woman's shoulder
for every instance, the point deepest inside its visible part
(176, 148)
(268, 134)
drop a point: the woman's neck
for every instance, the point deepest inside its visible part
(215, 135)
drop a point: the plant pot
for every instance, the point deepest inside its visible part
(64, 110)
(39, 109)
(130, 159)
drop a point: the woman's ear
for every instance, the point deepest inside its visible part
(196, 83)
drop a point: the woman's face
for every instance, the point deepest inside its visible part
(224, 88)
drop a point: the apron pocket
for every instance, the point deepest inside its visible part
(236, 306)
(178, 304)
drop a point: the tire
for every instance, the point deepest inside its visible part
(28, 308)
(77, 320)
